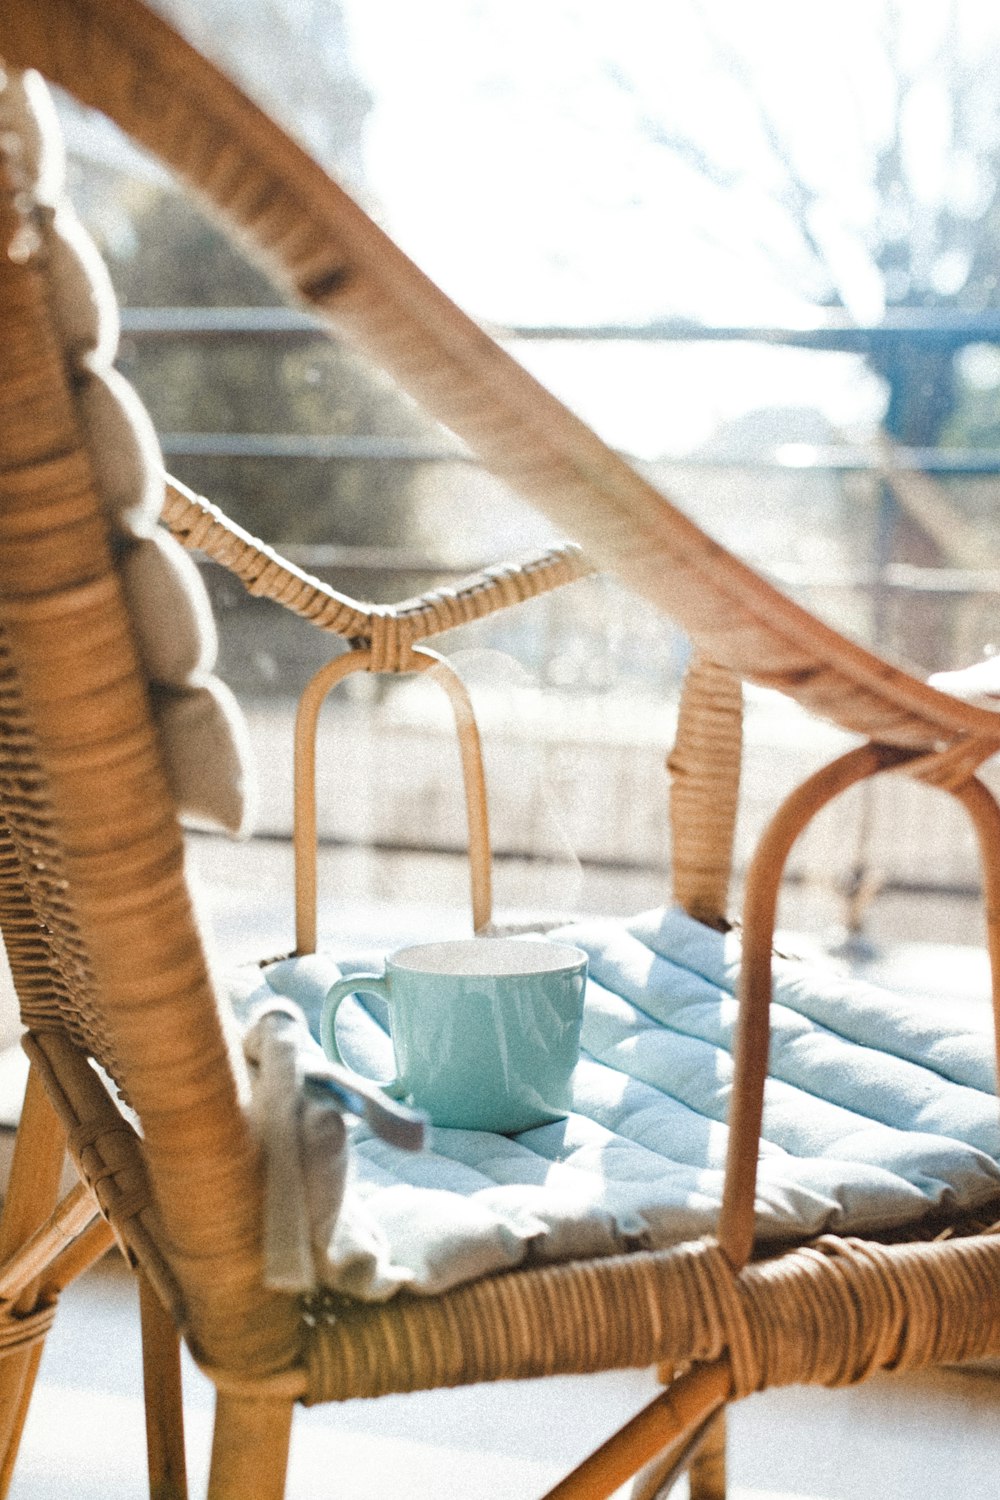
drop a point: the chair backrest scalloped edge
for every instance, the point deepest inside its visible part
(82, 688)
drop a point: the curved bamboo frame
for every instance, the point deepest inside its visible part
(314, 695)
(736, 1220)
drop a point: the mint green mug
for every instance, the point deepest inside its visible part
(486, 1031)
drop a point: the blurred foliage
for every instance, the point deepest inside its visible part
(173, 256)
(975, 422)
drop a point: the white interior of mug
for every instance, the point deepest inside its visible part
(474, 957)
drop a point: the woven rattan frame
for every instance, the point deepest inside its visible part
(107, 953)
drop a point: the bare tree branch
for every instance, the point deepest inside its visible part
(687, 151)
(799, 198)
(684, 146)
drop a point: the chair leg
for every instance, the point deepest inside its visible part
(19, 1371)
(250, 1448)
(161, 1378)
(707, 1474)
(705, 1469)
(39, 1152)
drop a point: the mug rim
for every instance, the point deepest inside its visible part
(562, 958)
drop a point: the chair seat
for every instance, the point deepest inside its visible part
(878, 1114)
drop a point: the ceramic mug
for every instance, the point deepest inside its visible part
(486, 1031)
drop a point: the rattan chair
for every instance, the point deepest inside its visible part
(105, 945)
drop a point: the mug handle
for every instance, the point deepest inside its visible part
(355, 984)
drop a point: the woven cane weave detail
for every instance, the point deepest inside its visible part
(704, 767)
(47, 953)
(831, 1314)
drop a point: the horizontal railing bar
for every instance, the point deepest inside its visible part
(905, 578)
(801, 457)
(342, 446)
(217, 322)
(829, 335)
(806, 456)
(794, 878)
(826, 330)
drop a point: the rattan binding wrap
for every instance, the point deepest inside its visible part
(704, 768)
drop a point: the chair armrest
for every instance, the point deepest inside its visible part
(203, 527)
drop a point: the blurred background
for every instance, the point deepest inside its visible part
(755, 247)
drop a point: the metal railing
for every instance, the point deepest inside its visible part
(825, 329)
(879, 579)
(861, 589)
(829, 332)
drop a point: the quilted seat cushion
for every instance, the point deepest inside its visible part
(877, 1113)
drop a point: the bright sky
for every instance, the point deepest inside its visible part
(517, 167)
(513, 164)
